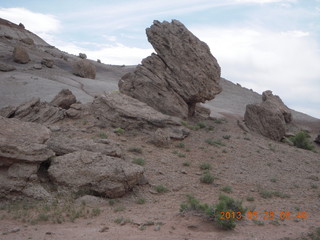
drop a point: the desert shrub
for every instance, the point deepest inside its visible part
(207, 178)
(119, 131)
(135, 149)
(139, 161)
(302, 140)
(180, 145)
(102, 135)
(161, 189)
(214, 213)
(226, 189)
(205, 166)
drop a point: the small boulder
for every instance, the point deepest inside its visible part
(47, 62)
(64, 99)
(160, 138)
(107, 176)
(37, 66)
(28, 41)
(317, 140)
(6, 67)
(82, 56)
(85, 69)
(20, 55)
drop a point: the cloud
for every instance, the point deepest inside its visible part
(261, 59)
(38, 23)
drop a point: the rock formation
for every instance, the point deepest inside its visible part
(104, 175)
(182, 73)
(6, 67)
(268, 118)
(20, 55)
(22, 150)
(317, 140)
(47, 62)
(85, 69)
(64, 99)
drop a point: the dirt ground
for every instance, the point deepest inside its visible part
(250, 164)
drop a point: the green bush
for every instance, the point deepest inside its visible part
(301, 140)
(161, 189)
(119, 131)
(207, 178)
(139, 161)
(205, 166)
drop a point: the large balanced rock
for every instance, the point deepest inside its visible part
(182, 73)
(20, 55)
(64, 99)
(268, 118)
(95, 172)
(22, 149)
(85, 69)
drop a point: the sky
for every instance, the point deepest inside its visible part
(260, 44)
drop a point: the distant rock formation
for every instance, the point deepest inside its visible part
(20, 55)
(85, 69)
(182, 73)
(268, 118)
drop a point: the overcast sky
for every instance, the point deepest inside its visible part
(261, 44)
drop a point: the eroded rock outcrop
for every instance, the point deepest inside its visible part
(182, 73)
(106, 176)
(268, 118)
(85, 69)
(22, 149)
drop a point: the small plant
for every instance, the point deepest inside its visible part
(226, 137)
(102, 135)
(205, 166)
(265, 193)
(314, 186)
(250, 199)
(119, 209)
(180, 145)
(139, 161)
(201, 125)
(219, 120)
(161, 189)
(141, 201)
(247, 138)
(119, 131)
(224, 151)
(258, 222)
(135, 149)
(182, 155)
(95, 212)
(273, 180)
(186, 164)
(302, 140)
(226, 189)
(122, 220)
(214, 142)
(210, 128)
(207, 178)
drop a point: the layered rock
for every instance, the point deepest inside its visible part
(85, 69)
(20, 55)
(104, 175)
(34, 111)
(22, 150)
(268, 118)
(182, 73)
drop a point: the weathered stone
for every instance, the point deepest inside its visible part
(160, 138)
(6, 67)
(22, 170)
(47, 62)
(28, 41)
(62, 145)
(82, 55)
(34, 111)
(181, 74)
(125, 112)
(64, 99)
(37, 66)
(20, 55)
(107, 176)
(22, 142)
(317, 140)
(85, 69)
(268, 118)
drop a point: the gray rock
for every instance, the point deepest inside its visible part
(47, 62)
(6, 67)
(37, 66)
(181, 74)
(28, 41)
(20, 55)
(107, 176)
(317, 140)
(268, 118)
(82, 55)
(64, 99)
(63, 145)
(160, 138)
(125, 112)
(84, 68)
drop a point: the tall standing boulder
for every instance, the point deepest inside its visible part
(20, 55)
(268, 118)
(183, 71)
